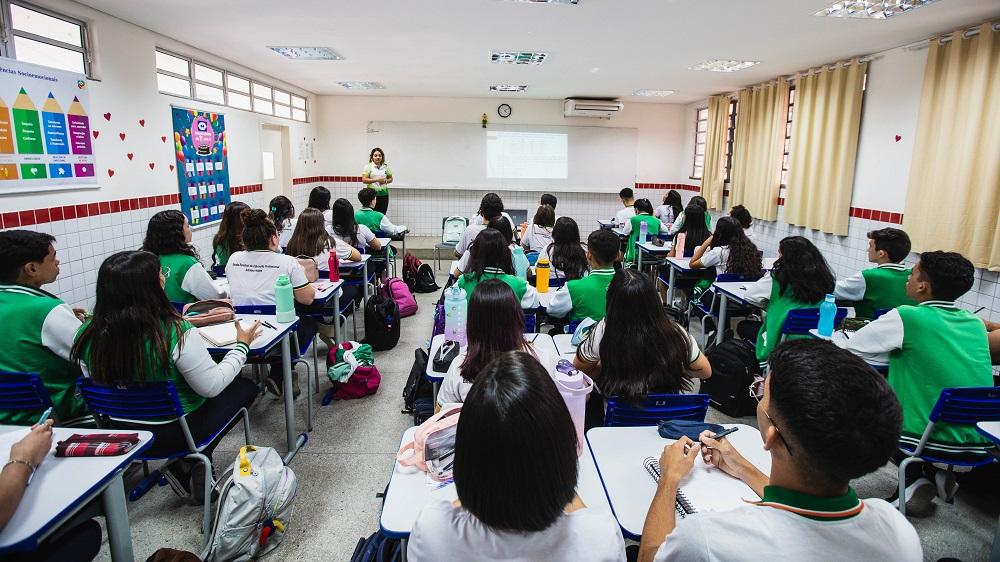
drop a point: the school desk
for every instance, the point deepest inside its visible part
(605, 224)
(619, 453)
(564, 346)
(991, 430)
(325, 291)
(652, 250)
(63, 486)
(350, 268)
(735, 291)
(683, 265)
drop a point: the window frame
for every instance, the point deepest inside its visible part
(787, 146)
(694, 156)
(8, 49)
(734, 109)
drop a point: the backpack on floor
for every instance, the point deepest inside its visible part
(381, 322)
(396, 289)
(454, 227)
(378, 548)
(254, 508)
(418, 394)
(411, 264)
(734, 364)
(352, 371)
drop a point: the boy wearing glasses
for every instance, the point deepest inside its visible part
(807, 505)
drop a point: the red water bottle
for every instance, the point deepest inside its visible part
(334, 265)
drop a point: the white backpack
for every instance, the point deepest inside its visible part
(453, 229)
(254, 507)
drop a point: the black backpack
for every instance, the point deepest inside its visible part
(734, 365)
(381, 322)
(424, 281)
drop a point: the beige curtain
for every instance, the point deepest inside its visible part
(824, 146)
(953, 198)
(714, 172)
(755, 176)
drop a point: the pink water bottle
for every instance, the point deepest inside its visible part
(574, 387)
(334, 265)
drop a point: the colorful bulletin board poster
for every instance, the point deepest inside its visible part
(45, 139)
(202, 168)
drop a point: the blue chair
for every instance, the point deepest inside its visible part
(220, 270)
(154, 404)
(879, 312)
(732, 311)
(657, 407)
(23, 392)
(959, 406)
(800, 320)
(532, 257)
(179, 306)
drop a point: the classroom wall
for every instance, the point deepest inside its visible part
(92, 224)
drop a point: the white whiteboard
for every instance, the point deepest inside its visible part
(453, 155)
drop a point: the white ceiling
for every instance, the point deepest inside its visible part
(599, 48)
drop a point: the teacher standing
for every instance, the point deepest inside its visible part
(378, 176)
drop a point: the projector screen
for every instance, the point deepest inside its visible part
(522, 155)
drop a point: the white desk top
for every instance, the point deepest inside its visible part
(60, 486)
(268, 338)
(619, 231)
(991, 429)
(619, 453)
(410, 490)
(324, 288)
(680, 264)
(540, 341)
(564, 345)
(735, 290)
(545, 298)
(452, 266)
(384, 241)
(651, 248)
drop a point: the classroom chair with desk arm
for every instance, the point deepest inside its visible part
(697, 310)
(23, 392)
(959, 406)
(152, 406)
(800, 320)
(656, 408)
(449, 240)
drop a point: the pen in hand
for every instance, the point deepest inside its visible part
(722, 434)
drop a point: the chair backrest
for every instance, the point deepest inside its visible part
(879, 312)
(452, 228)
(220, 269)
(655, 408)
(555, 282)
(255, 309)
(732, 277)
(800, 320)
(132, 401)
(179, 306)
(967, 405)
(23, 391)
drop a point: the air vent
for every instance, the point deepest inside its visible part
(517, 57)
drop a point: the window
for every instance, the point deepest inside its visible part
(730, 137)
(239, 92)
(298, 108)
(701, 132)
(788, 136)
(41, 36)
(173, 74)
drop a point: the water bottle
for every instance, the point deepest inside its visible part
(334, 264)
(283, 300)
(679, 244)
(542, 275)
(574, 387)
(827, 312)
(643, 232)
(454, 314)
(520, 263)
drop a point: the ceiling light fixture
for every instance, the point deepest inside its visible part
(508, 88)
(308, 53)
(361, 85)
(517, 57)
(722, 65)
(872, 9)
(653, 93)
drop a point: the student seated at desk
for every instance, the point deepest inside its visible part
(993, 329)
(39, 326)
(498, 223)
(882, 286)
(728, 250)
(800, 278)
(671, 208)
(252, 273)
(538, 235)
(319, 199)
(495, 325)
(136, 335)
(636, 349)
(680, 221)
(550, 200)
(826, 418)
(587, 297)
(282, 213)
(628, 207)
(515, 475)
(643, 214)
(228, 238)
(567, 256)
(359, 236)
(310, 239)
(490, 208)
(928, 347)
(742, 216)
(374, 220)
(169, 237)
(490, 258)
(695, 231)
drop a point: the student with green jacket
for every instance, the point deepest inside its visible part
(882, 286)
(168, 235)
(490, 258)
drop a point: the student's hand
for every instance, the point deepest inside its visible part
(388, 179)
(675, 462)
(248, 335)
(721, 454)
(81, 314)
(35, 446)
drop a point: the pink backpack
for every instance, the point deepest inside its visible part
(364, 380)
(396, 289)
(433, 447)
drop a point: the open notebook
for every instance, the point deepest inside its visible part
(705, 488)
(224, 334)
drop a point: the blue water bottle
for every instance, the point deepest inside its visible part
(454, 314)
(520, 263)
(827, 312)
(643, 232)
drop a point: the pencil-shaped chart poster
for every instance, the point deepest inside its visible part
(202, 165)
(44, 129)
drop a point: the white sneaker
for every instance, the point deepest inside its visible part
(946, 485)
(918, 497)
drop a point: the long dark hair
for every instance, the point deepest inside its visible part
(565, 251)
(544, 216)
(230, 234)
(802, 271)
(310, 237)
(495, 324)
(165, 235)
(673, 200)
(343, 222)
(503, 225)
(133, 323)
(319, 198)
(489, 249)
(694, 228)
(636, 320)
(744, 258)
(257, 230)
(280, 210)
(515, 447)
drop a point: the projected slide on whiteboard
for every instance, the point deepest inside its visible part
(522, 155)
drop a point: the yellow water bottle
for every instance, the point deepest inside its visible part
(542, 275)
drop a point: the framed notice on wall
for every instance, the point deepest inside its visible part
(45, 141)
(202, 167)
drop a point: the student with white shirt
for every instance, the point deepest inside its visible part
(228, 238)
(252, 272)
(498, 223)
(319, 198)
(515, 475)
(826, 418)
(628, 207)
(490, 207)
(538, 235)
(168, 235)
(728, 250)
(495, 324)
(695, 232)
(882, 286)
(566, 254)
(282, 214)
(679, 221)
(742, 216)
(490, 258)
(347, 230)
(671, 208)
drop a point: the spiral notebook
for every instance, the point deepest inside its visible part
(705, 488)
(682, 506)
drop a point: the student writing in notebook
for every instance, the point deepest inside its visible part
(643, 214)
(826, 418)
(882, 286)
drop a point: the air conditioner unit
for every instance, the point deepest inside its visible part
(592, 108)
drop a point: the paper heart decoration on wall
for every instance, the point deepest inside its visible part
(163, 139)
(111, 173)
(95, 133)
(107, 116)
(130, 155)
(152, 165)
(142, 122)
(121, 136)
(171, 167)
(898, 138)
